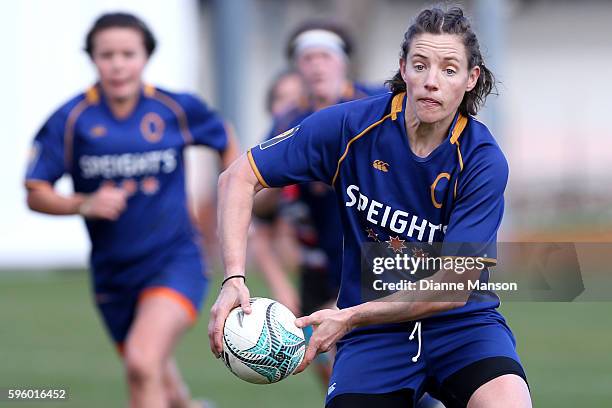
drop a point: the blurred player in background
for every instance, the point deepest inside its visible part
(285, 94)
(409, 166)
(320, 52)
(122, 143)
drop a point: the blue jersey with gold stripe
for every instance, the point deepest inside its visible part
(143, 153)
(325, 220)
(385, 192)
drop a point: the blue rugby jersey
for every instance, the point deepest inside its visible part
(325, 219)
(387, 193)
(142, 153)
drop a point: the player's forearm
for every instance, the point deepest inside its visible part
(43, 198)
(382, 312)
(235, 191)
(412, 305)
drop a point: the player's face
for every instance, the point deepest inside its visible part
(287, 93)
(120, 57)
(437, 76)
(324, 72)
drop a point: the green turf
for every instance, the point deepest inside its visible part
(50, 336)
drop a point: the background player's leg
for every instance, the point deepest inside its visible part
(506, 391)
(156, 329)
(176, 389)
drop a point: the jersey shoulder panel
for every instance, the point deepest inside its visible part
(364, 90)
(288, 120)
(477, 140)
(68, 108)
(181, 103)
(361, 113)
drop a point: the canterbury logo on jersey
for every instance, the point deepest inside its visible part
(399, 221)
(277, 139)
(380, 165)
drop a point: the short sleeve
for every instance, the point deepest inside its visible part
(307, 152)
(205, 125)
(478, 211)
(46, 159)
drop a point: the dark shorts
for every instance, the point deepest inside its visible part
(381, 366)
(179, 275)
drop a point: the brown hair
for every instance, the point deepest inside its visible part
(122, 20)
(437, 21)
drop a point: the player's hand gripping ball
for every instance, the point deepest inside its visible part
(264, 346)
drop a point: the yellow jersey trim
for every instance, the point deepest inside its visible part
(149, 90)
(256, 170)
(396, 106)
(458, 129)
(92, 95)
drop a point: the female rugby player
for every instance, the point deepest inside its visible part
(122, 143)
(410, 166)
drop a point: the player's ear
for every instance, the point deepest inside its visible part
(402, 64)
(473, 78)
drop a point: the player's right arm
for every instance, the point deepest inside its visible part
(107, 203)
(47, 165)
(308, 152)
(237, 186)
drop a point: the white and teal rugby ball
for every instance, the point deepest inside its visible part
(264, 346)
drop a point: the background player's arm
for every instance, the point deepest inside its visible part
(108, 202)
(42, 197)
(47, 165)
(232, 149)
(237, 186)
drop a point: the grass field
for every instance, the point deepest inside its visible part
(50, 336)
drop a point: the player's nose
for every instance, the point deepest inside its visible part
(431, 81)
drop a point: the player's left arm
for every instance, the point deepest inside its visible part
(472, 232)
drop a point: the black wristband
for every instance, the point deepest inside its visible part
(232, 277)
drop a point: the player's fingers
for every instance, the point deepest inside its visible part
(215, 329)
(314, 318)
(311, 352)
(120, 204)
(218, 337)
(105, 213)
(302, 322)
(245, 302)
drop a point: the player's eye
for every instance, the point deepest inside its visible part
(450, 71)
(419, 67)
